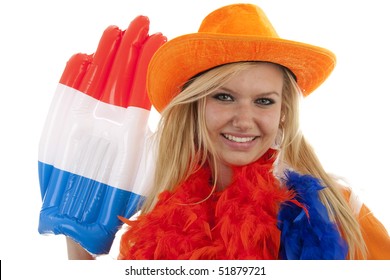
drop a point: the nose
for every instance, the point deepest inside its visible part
(243, 118)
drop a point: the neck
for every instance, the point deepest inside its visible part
(224, 177)
(225, 172)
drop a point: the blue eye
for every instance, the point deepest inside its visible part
(264, 101)
(223, 97)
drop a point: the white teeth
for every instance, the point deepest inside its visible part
(238, 139)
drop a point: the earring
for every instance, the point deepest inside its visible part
(279, 166)
(278, 139)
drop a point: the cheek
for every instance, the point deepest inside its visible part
(215, 118)
(269, 123)
(209, 118)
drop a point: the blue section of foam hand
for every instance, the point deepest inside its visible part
(83, 209)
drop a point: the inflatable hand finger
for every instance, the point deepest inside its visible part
(93, 142)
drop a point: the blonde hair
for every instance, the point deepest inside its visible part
(184, 145)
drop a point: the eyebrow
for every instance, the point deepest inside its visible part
(267, 93)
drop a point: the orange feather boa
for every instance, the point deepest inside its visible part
(239, 222)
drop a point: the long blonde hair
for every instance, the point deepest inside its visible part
(184, 145)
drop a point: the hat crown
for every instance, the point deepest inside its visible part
(238, 19)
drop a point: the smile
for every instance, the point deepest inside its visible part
(238, 139)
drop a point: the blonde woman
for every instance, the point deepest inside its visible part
(235, 177)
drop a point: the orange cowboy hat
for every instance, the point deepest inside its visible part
(238, 32)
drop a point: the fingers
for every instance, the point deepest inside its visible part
(138, 93)
(121, 77)
(99, 70)
(75, 70)
(116, 72)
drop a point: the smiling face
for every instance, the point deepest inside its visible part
(243, 115)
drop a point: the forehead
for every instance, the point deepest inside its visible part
(260, 76)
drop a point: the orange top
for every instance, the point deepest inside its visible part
(374, 233)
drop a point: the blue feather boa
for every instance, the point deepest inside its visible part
(308, 234)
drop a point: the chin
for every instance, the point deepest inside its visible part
(238, 162)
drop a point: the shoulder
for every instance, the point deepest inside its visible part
(352, 198)
(374, 233)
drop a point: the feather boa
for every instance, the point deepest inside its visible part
(307, 233)
(253, 218)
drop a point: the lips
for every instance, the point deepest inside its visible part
(238, 139)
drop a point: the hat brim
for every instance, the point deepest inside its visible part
(182, 58)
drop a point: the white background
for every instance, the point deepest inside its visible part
(346, 119)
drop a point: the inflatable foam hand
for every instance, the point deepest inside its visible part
(93, 141)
